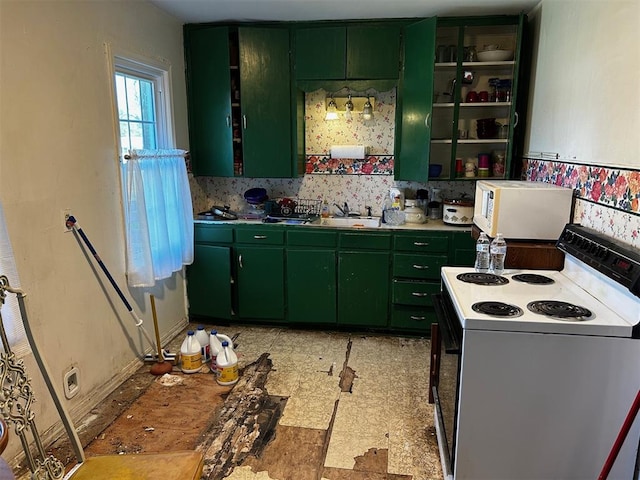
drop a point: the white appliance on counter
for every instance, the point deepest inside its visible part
(522, 210)
(534, 372)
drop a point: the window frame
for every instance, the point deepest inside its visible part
(159, 73)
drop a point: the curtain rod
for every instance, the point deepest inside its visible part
(186, 155)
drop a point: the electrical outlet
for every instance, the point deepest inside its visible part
(71, 382)
(65, 215)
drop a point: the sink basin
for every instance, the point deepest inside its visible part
(353, 222)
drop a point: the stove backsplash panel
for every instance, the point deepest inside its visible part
(608, 197)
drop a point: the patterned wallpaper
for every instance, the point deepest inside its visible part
(608, 197)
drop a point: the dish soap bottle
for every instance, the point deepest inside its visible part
(482, 253)
(324, 213)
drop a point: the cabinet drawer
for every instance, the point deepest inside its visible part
(407, 292)
(418, 266)
(262, 236)
(412, 318)
(369, 241)
(422, 243)
(212, 234)
(306, 238)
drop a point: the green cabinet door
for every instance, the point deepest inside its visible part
(209, 282)
(320, 53)
(415, 102)
(463, 249)
(260, 282)
(373, 52)
(311, 285)
(266, 102)
(209, 96)
(363, 288)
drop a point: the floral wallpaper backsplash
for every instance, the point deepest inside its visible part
(359, 191)
(377, 134)
(608, 197)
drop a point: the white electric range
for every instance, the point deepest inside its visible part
(534, 380)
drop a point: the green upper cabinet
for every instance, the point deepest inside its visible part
(455, 105)
(266, 102)
(209, 97)
(347, 52)
(415, 98)
(239, 99)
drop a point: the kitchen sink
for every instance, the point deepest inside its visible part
(353, 222)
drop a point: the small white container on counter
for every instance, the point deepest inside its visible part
(413, 213)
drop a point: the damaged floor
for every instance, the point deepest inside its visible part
(309, 406)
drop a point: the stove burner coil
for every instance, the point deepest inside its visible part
(497, 309)
(482, 278)
(560, 310)
(533, 278)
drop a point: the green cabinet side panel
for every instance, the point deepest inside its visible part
(373, 52)
(416, 96)
(320, 53)
(209, 93)
(311, 286)
(463, 250)
(209, 282)
(266, 102)
(363, 288)
(260, 282)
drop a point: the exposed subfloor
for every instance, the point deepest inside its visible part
(347, 406)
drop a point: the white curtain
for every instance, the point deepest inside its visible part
(10, 310)
(158, 215)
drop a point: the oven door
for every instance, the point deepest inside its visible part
(445, 377)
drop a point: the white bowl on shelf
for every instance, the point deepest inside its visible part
(495, 55)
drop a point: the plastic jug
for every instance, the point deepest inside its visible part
(215, 347)
(203, 340)
(190, 354)
(227, 363)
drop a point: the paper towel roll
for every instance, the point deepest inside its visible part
(348, 151)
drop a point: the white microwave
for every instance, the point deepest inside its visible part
(522, 210)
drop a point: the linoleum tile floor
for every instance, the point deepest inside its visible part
(385, 407)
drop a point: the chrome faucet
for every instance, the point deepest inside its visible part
(344, 210)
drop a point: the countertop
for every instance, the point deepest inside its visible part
(429, 225)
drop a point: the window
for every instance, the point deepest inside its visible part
(155, 187)
(143, 104)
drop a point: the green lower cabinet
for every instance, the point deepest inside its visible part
(363, 288)
(209, 282)
(463, 249)
(311, 286)
(260, 282)
(412, 318)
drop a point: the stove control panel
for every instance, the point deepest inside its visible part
(615, 259)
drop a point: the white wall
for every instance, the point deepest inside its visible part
(58, 150)
(585, 96)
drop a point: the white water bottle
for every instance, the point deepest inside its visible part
(498, 253)
(227, 363)
(482, 253)
(190, 355)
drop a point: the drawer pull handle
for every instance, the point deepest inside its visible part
(421, 267)
(240, 260)
(259, 237)
(421, 244)
(418, 319)
(419, 294)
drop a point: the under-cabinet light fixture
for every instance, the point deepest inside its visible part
(348, 106)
